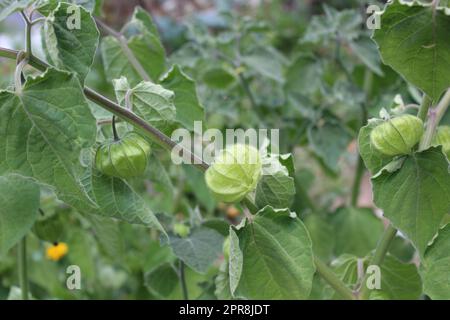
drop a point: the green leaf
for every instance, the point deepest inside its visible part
(436, 267)
(416, 197)
(143, 40)
(304, 76)
(196, 181)
(275, 188)
(107, 233)
(323, 29)
(162, 281)
(265, 64)
(275, 247)
(116, 199)
(19, 204)
(150, 101)
(45, 7)
(329, 141)
(413, 40)
(199, 250)
(367, 52)
(188, 107)
(322, 235)
(218, 77)
(8, 7)
(357, 231)
(373, 159)
(399, 281)
(222, 283)
(45, 128)
(71, 49)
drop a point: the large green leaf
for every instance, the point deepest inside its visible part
(357, 231)
(322, 235)
(7, 7)
(373, 159)
(222, 282)
(329, 141)
(199, 250)
(162, 281)
(275, 247)
(44, 130)
(71, 49)
(275, 188)
(436, 267)
(416, 196)
(143, 40)
(189, 108)
(413, 40)
(116, 199)
(150, 101)
(265, 64)
(19, 204)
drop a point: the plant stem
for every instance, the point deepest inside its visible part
(424, 107)
(435, 116)
(28, 25)
(183, 281)
(247, 90)
(125, 48)
(22, 264)
(378, 258)
(357, 182)
(356, 189)
(333, 280)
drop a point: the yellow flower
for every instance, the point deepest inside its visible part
(57, 251)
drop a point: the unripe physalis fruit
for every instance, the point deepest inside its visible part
(234, 173)
(56, 251)
(397, 136)
(181, 230)
(442, 138)
(124, 157)
(232, 212)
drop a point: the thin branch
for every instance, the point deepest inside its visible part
(125, 48)
(22, 264)
(435, 116)
(378, 258)
(336, 283)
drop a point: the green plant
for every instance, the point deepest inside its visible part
(153, 229)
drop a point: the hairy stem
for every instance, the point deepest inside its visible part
(248, 92)
(22, 263)
(378, 258)
(183, 281)
(336, 283)
(356, 189)
(424, 107)
(125, 48)
(435, 116)
(28, 26)
(357, 182)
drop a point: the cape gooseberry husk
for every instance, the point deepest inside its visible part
(124, 158)
(397, 136)
(235, 172)
(442, 138)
